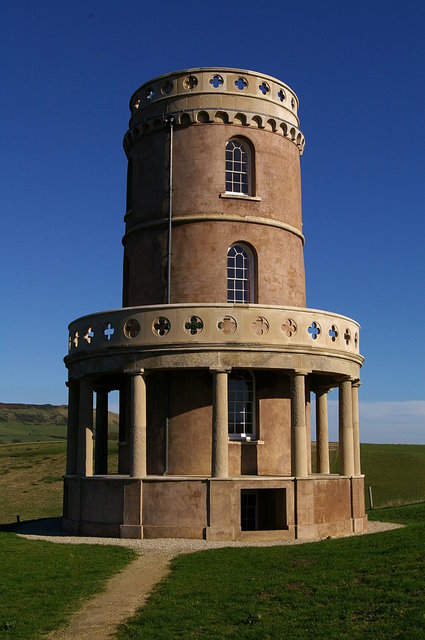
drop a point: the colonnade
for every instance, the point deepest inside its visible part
(133, 405)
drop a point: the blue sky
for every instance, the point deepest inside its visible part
(68, 70)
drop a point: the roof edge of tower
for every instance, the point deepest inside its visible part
(211, 87)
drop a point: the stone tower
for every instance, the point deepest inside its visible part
(214, 354)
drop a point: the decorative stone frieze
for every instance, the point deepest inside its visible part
(283, 328)
(215, 95)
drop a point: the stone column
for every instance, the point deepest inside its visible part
(346, 442)
(298, 425)
(356, 432)
(220, 426)
(123, 456)
(85, 429)
(137, 423)
(72, 432)
(101, 439)
(308, 423)
(322, 431)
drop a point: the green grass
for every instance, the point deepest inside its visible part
(369, 587)
(31, 479)
(42, 584)
(395, 472)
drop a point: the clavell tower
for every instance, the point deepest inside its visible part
(214, 353)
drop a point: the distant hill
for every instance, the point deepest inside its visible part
(33, 413)
(38, 422)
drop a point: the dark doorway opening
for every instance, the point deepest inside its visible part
(263, 509)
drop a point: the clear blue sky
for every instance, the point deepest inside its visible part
(67, 72)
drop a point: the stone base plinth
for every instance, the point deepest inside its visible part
(239, 508)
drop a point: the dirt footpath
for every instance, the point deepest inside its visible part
(125, 593)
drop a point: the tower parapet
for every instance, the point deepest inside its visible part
(215, 94)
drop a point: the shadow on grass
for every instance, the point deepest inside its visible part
(51, 527)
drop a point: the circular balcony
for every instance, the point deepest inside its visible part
(215, 328)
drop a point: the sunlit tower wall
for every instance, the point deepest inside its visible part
(214, 353)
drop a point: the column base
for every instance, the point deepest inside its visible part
(132, 531)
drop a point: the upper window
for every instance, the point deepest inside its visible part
(240, 274)
(238, 167)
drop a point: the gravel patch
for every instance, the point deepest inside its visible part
(50, 530)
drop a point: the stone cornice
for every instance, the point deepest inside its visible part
(216, 115)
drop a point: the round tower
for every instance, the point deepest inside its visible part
(235, 178)
(214, 354)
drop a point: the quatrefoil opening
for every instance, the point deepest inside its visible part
(314, 330)
(193, 325)
(260, 326)
(108, 331)
(289, 328)
(161, 326)
(190, 82)
(132, 328)
(227, 325)
(333, 333)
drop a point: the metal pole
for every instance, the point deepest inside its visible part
(170, 121)
(167, 421)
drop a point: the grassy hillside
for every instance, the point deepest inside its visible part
(396, 472)
(31, 480)
(38, 422)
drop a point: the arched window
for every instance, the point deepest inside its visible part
(238, 167)
(240, 274)
(241, 405)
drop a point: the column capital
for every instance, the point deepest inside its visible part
(324, 388)
(135, 372)
(71, 383)
(220, 369)
(356, 383)
(301, 372)
(98, 388)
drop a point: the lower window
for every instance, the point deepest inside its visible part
(241, 405)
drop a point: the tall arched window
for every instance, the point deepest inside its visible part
(241, 404)
(240, 274)
(238, 167)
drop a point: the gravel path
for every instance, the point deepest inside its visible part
(128, 590)
(50, 530)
